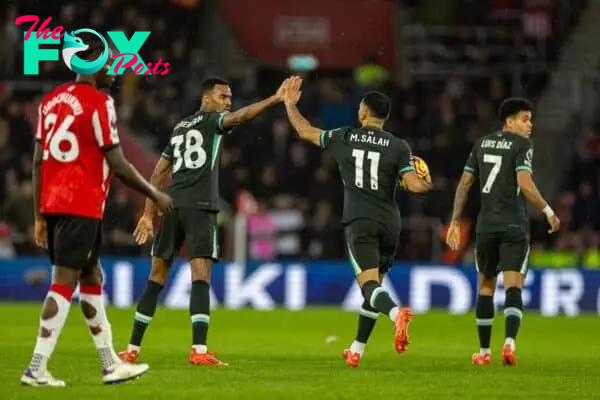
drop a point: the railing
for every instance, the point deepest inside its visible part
(438, 52)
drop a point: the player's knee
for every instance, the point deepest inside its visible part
(368, 275)
(50, 308)
(65, 276)
(513, 279)
(159, 271)
(91, 276)
(487, 286)
(201, 269)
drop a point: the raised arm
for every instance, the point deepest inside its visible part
(291, 96)
(305, 130)
(250, 112)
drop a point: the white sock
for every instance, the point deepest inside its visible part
(483, 351)
(50, 330)
(133, 347)
(358, 347)
(511, 342)
(394, 313)
(100, 327)
(200, 348)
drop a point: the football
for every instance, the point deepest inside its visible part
(421, 168)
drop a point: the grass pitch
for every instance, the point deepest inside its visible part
(285, 355)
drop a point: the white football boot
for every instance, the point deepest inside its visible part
(45, 379)
(123, 372)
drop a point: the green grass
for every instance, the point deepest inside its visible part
(283, 355)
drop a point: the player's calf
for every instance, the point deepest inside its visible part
(92, 306)
(484, 315)
(145, 311)
(513, 313)
(381, 301)
(53, 317)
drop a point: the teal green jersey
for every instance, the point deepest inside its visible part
(194, 149)
(371, 161)
(495, 161)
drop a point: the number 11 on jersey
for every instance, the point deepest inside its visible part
(359, 160)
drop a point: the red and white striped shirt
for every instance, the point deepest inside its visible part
(76, 124)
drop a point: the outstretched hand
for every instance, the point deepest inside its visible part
(291, 90)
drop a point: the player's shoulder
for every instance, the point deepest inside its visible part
(341, 131)
(522, 141)
(191, 121)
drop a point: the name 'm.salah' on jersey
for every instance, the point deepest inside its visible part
(76, 124)
(370, 161)
(194, 150)
(495, 160)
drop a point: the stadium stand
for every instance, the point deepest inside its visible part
(464, 71)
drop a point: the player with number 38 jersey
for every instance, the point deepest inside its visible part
(75, 175)
(192, 158)
(194, 149)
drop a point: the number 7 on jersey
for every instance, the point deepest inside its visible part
(497, 164)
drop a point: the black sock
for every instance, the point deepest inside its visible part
(145, 311)
(484, 315)
(367, 317)
(200, 311)
(378, 297)
(513, 312)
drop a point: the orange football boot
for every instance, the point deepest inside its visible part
(508, 357)
(481, 359)
(205, 359)
(401, 323)
(352, 359)
(129, 356)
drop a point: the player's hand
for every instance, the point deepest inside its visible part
(40, 230)
(292, 92)
(554, 224)
(453, 236)
(281, 90)
(144, 230)
(164, 202)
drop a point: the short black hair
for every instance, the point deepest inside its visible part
(210, 83)
(513, 106)
(379, 104)
(95, 48)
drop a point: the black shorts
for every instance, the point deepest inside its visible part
(198, 228)
(501, 251)
(74, 241)
(371, 244)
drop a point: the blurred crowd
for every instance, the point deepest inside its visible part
(293, 188)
